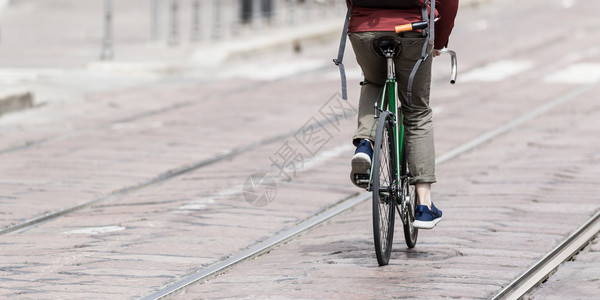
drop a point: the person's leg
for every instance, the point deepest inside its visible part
(424, 192)
(372, 67)
(418, 126)
(418, 123)
(374, 72)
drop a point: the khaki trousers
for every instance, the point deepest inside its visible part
(417, 116)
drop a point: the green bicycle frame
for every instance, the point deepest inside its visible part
(389, 97)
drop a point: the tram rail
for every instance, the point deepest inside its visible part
(347, 204)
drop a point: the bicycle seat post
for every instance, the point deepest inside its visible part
(389, 55)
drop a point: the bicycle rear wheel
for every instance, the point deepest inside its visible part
(384, 188)
(409, 196)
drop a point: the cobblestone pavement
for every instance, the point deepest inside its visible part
(506, 203)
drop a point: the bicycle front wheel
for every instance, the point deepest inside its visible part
(384, 188)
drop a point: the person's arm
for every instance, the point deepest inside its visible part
(443, 27)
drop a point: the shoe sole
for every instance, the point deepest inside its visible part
(361, 164)
(426, 224)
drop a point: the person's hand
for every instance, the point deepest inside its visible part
(436, 53)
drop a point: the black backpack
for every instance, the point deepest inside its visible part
(386, 4)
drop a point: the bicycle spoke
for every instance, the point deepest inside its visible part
(384, 199)
(409, 196)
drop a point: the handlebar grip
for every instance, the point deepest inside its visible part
(411, 26)
(404, 28)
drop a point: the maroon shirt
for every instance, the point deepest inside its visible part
(373, 19)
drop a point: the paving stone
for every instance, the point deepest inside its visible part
(505, 204)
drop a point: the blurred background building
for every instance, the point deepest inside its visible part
(174, 22)
(41, 40)
(224, 18)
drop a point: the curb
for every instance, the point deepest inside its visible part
(269, 40)
(15, 101)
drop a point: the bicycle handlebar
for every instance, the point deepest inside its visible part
(454, 63)
(422, 25)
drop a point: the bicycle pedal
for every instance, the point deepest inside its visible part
(361, 179)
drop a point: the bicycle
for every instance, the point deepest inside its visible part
(389, 176)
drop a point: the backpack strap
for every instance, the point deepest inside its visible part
(429, 33)
(340, 57)
(431, 30)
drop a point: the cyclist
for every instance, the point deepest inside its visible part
(366, 26)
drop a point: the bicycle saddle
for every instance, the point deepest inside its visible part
(386, 44)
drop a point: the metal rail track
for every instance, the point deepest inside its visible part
(282, 237)
(185, 169)
(541, 270)
(170, 174)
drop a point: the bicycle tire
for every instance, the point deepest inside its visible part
(409, 193)
(384, 188)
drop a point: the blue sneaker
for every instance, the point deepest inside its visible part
(361, 164)
(426, 218)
